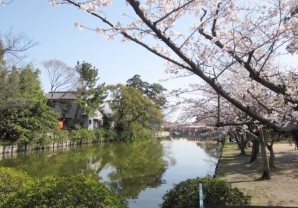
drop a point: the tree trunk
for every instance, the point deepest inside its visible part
(240, 142)
(272, 155)
(266, 170)
(255, 150)
(295, 138)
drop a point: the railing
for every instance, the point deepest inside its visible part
(201, 194)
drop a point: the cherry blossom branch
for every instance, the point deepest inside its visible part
(172, 12)
(195, 69)
(126, 35)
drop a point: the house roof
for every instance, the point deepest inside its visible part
(61, 96)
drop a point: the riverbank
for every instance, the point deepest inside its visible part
(281, 190)
(12, 148)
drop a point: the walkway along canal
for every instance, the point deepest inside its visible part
(140, 170)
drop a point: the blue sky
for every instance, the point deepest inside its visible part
(53, 28)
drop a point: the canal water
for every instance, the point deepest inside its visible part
(142, 171)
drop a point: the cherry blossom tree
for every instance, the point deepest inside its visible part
(221, 38)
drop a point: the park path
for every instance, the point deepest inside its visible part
(281, 190)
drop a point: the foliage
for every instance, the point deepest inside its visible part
(11, 181)
(216, 192)
(90, 96)
(1, 52)
(133, 110)
(24, 115)
(74, 191)
(81, 135)
(153, 91)
(60, 135)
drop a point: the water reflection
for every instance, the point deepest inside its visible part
(142, 171)
(134, 167)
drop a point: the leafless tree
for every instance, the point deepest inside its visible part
(14, 45)
(61, 76)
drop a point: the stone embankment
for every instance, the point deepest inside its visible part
(7, 149)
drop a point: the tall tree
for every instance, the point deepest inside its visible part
(24, 115)
(153, 91)
(222, 38)
(133, 112)
(91, 96)
(61, 76)
(14, 45)
(1, 52)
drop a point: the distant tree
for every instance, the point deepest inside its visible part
(61, 76)
(153, 91)
(1, 52)
(14, 45)
(133, 112)
(24, 115)
(90, 95)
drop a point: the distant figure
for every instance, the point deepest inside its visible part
(290, 140)
(60, 124)
(249, 144)
(296, 144)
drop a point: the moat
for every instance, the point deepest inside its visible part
(141, 171)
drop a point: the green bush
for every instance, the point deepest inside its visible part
(11, 180)
(110, 134)
(61, 135)
(98, 134)
(75, 191)
(216, 192)
(81, 135)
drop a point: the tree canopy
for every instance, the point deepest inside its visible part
(24, 114)
(91, 97)
(153, 91)
(61, 76)
(133, 112)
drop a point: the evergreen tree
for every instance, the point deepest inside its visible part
(24, 116)
(90, 96)
(133, 112)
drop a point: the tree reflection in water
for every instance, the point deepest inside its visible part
(130, 169)
(135, 165)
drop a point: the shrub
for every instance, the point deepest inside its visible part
(11, 180)
(216, 192)
(61, 135)
(98, 134)
(75, 191)
(82, 135)
(110, 134)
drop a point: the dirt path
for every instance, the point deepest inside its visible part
(281, 190)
